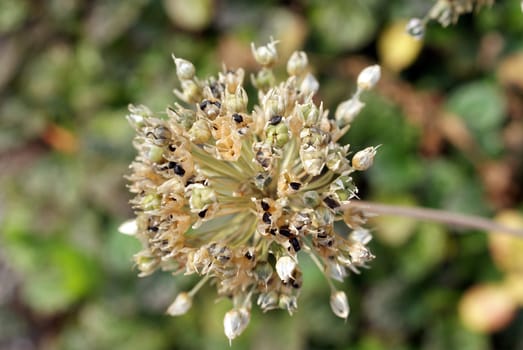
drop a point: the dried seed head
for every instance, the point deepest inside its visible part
(339, 304)
(180, 305)
(235, 195)
(369, 77)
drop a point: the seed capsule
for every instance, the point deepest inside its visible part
(369, 77)
(416, 28)
(285, 267)
(297, 63)
(363, 159)
(235, 322)
(180, 305)
(184, 69)
(339, 304)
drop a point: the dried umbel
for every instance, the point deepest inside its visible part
(238, 197)
(445, 12)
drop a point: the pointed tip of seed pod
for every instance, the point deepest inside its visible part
(339, 304)
(180, 305)
(128, 227)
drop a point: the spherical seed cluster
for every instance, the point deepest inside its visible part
(234, 196)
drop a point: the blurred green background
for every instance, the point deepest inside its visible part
(449, 115)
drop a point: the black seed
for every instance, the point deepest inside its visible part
(248, 255)
(331, 202)
(153, 228)
(178, 169)
(284, 231)
(217, 104)
(295, 284)
(204, 104)
(275, 120)
(172, 148)
(237, 118)
(266, 218)
(202, 213)
(295, 185)
(265, 206)
(272, 231)
(295, 244)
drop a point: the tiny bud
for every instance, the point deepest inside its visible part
(297, 63)
(235, 322)
(339, 304)
(363, 159)
(347, 111)
(129, 227)
(368, 77)
(285, 267)
(309, 85)
(180, 305)
(184, 69)
(416, 28)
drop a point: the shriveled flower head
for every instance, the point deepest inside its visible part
(237, 196)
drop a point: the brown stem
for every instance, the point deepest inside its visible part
(467, 221)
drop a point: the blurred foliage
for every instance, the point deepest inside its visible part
(449, 116)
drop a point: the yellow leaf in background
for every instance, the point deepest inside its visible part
(192, 15)
(507, 250)
(510, 70)
(514, 284)
(397, 50)
(486, 308)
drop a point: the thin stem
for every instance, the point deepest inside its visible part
(460, 220)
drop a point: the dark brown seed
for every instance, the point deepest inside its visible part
(267, 218)
(275, 120)
(295, 185)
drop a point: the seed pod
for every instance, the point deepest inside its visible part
(416, 28)
(363, 159)
(309, 85)
(297, 63)
(265, 55)
(347, 111)
(184, 69)
(180, 305)
(369, 77)
(235, 322)
(285, 267)
(129, 227)
(339, 304)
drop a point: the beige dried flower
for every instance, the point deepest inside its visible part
(234, 196)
